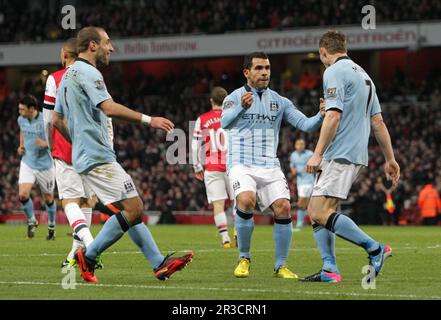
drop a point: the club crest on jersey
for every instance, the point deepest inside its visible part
(274, 106)
(236, 185)
(128, 185)
(331, 93)
(228, 104)
(100, 85)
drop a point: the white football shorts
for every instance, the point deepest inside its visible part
(70, 184)
(217, 186)
(335, 178)
(269, 184)
(110, 183)
(44, 178)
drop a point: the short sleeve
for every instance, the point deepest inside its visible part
(376, 108)
(334, 89)
(95, 88)
(50, 93)
(197, 132)
(58, 107)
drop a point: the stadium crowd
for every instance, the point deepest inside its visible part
(413, 115)
(27, 20)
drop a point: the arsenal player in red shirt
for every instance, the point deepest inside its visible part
(209, 160)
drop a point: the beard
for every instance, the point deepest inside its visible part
(260, 86)
(102, 58)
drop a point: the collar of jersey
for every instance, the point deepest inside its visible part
(342, 58)
(250, 89)
(83, 60)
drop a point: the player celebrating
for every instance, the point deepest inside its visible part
(208, 136)
(36, 164)
(252, 116)
(299, 158)
(83, 99)
(71, 190)
(352, 107)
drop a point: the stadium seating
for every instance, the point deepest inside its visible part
(27, 20)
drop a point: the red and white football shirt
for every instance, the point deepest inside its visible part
(62, 149)
(208, 129)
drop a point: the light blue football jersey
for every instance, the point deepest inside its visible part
(348, 88)
(35, 157)
(81, 91)
(298, 161)
(253, 133)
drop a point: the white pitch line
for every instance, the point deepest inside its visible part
(320, 293)
(198, 251)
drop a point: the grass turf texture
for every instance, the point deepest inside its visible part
(30, 268)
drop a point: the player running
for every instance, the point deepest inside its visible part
(83, 99)
(71, 191)
(352, 108)
(252, 116)
(305, 180)
(36, 164)
(209, 138)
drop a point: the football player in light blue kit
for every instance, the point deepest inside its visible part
(36, 164)
(305, 180)
(82, 99)
(352, 108)
(252, 116)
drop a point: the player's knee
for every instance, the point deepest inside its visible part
(302, 204)
(282, 209)
(48, 198)
(134, 210)
(247, 203)
(316, 214)
(23, 197)
(312, 212)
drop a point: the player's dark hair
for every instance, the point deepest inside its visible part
(86, 35)
(70, 46)
(29, 101)
(248, 59)
(218, 95)
(333, 41)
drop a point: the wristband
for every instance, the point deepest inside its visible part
(146, 119)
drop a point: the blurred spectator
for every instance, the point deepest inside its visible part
(38, 20)
(430, 204)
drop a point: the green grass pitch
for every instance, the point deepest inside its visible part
(30, 269)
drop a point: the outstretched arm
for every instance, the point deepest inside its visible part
(298, 120)
(118, 111)
(391, 167)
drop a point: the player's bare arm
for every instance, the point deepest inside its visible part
(327, 133)
(21, 148)
(43, 144)
(293, 171)
(322, 107)
(59, 123)
(391, 167)
(118, 111)
(48, 128)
